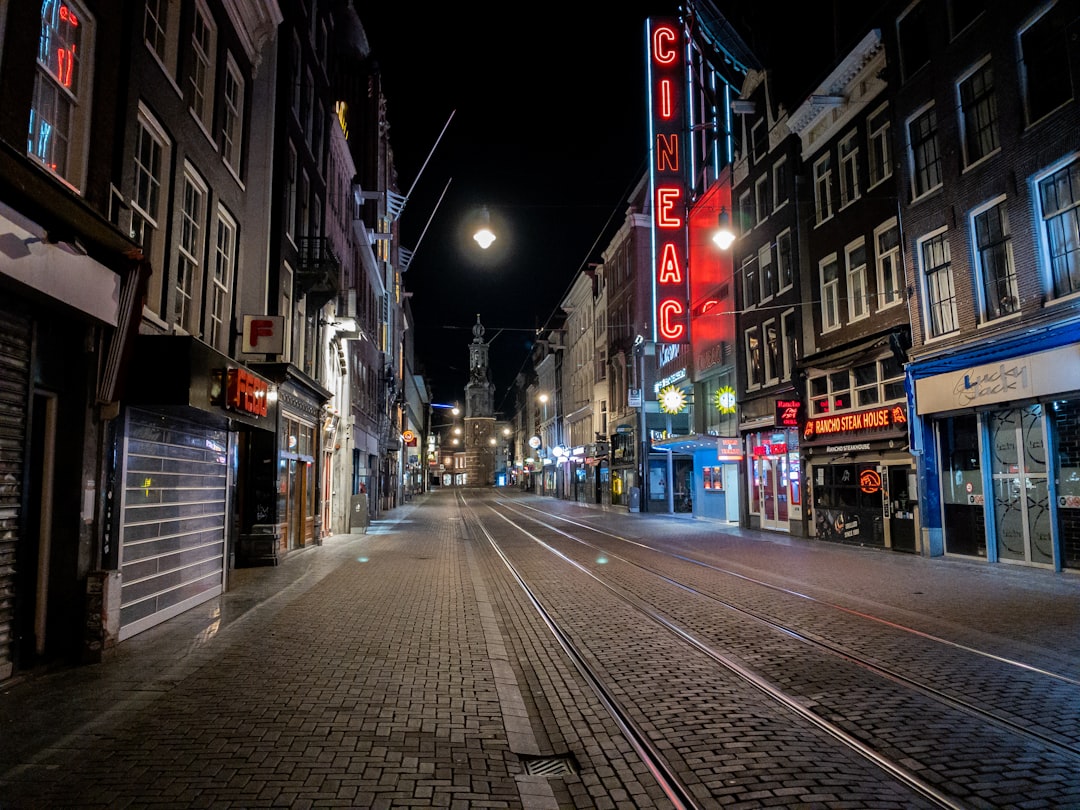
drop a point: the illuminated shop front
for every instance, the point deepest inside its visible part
(775, 486)
(861, 480)
(1001, 442)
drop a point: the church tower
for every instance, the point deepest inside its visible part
(480, 440)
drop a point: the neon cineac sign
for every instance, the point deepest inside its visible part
(671, 292)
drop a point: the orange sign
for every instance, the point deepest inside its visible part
(873, 419)
(870, 481)
(246, 392)
(410, 438)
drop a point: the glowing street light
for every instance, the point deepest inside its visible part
(484, 237)
(724, 236)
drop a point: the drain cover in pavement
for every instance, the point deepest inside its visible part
(555, 765)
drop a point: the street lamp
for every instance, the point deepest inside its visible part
(724, 236)
(484, 237)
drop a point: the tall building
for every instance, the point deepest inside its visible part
(480, 436)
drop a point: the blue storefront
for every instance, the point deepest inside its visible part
(997, 431)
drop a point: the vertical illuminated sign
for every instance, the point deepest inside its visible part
(671, 293)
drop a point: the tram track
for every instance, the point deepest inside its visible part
(937, 790)
(1069, 748)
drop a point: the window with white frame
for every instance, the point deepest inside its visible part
(879, 145)
(771, 337)
(761, 198)
(59, 113)
(858, 294)
(151, 146)
(830, 392)
(914, 36)
(746, 213)
(936, 265)
(889, 269)
(161, 31)
(766, 272)
(232, 126)
(925, 155)
(221, 280)
(978, 113)
(749, 274)
(290, 195)
(754, 368)
(759, 138)
(286, 310)
(1059, 211)
(849, 168)
(785, 261)
(877, 382)
(823, 188)
(1044, 60)
(780, 183)
(994, 261)
(189, 251)
(830, 293)
(961, 14)
(303, 206)
(789, 328)
(296, 70)
(203, 53)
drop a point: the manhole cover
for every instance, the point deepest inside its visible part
(554, 765)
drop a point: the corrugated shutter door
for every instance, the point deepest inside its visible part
(175, 502)
(15, 333)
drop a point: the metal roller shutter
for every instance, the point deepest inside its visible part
(173, 517)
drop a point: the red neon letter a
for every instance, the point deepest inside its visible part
(669, 271)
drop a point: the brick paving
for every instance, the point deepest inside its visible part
(403, 668)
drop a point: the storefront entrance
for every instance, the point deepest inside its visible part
(899, 504)
(772, 478)
(1020, 486)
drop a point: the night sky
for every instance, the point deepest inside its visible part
(548, 132)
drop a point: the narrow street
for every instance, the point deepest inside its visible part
(484, 648)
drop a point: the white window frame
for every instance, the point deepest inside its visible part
(914, 164)
(746, 213)
(232, 125)
(287, 309)
(966, 114)
(978, 256)
(203, 73)
(223, 270)
(779, 184)
(65, 155)
(1024, 70)
(932, 301)
(1067, 218)
(761, 198)
(751, 334)
(163, 16)
(823, 202)
(890, 257)
(879, 145)
(154, 220)
(760, 124)
(856, 276)
(749, 277)
(848, 152)
(785, 267)
(788, 338)
(767, 280)
(830, 294)
(769, 363)
(292, 171)
(190, 250)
